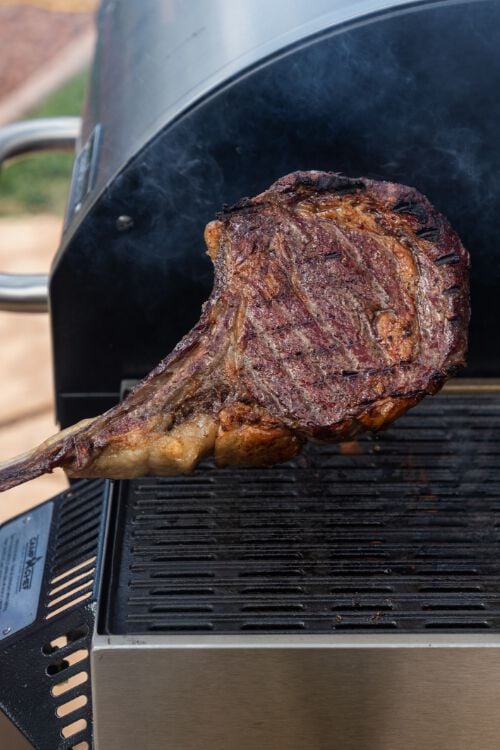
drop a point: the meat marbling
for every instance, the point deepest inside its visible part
(337, 304)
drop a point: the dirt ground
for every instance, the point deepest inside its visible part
(26, 399)
(31, 36)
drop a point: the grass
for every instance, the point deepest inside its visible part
(39, 184)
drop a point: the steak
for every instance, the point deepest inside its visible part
(337, 304)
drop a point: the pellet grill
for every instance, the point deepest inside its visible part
(351, 598)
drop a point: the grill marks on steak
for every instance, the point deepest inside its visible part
(348, 306)
(337, 304)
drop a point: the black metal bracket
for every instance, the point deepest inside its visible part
(45, 680)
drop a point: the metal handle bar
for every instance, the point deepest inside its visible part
(30, 292)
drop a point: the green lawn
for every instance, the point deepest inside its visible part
(39, 184)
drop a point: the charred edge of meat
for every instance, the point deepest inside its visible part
(333, 182)
(440, 376)
(322, 182)
(328, 181)
(244, 204)
(411, 207)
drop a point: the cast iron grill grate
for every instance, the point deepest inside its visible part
(395, 532)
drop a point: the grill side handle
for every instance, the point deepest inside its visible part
(30, 292)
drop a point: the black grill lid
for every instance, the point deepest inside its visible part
(409, 96)
(395, 532)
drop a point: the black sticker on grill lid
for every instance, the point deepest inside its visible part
(23, 549)
(84, 174)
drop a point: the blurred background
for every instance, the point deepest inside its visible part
(45, 50)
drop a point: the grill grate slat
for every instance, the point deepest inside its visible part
(399, 532)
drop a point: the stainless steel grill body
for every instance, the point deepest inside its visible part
(354, 692)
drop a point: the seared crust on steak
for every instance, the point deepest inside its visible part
(337, 304)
